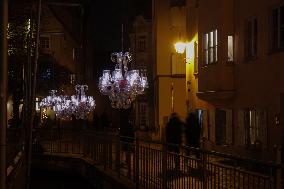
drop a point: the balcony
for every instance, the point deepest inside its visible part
(216, 82)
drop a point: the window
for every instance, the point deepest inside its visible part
(223, 126)
(44, 42)
(72, 78)
(251, 38)
(47, 74)
(278, 28)
(210, 43)
(142, 43)
(143, 115)
(230, 48)
(37, 104)
(255, 126)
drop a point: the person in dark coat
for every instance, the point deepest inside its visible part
(192, 132)
(173, 136)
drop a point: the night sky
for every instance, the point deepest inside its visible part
(108, 17)
(104, 22)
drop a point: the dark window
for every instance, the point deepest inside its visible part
(278, 28)
(251, 38)
(44, 42)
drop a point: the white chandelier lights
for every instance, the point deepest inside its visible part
(64, 106)
(123, 85)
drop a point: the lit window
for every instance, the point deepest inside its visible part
(251, 38)
(278, 28)
(255, 126)
(37, 104)
(72, 78)
(210, 44)
(230, 48)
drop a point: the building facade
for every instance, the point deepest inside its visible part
(234, 72)
(141, 49)
(60, 66)
(169, 68)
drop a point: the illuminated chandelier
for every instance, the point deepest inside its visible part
(65, 106)
(81, 104)
(50, 100)
(57, 104)
(123, 85)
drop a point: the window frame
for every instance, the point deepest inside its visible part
(250, 39)
(275, 30)
(44, 46)
(255, 126)
(210, 47)
(143, 117)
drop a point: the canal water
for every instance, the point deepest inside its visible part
(43, 179)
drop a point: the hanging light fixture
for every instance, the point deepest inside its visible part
(81, 104)
(50, 100)
(65, 106)
(63, 109)
(122, 85)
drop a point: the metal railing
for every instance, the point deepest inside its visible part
(154, 165)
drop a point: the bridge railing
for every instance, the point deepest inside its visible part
(155, 165)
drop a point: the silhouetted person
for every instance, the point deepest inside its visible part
(192, 132)
(173, 136)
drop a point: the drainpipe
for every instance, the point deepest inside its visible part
(3, 92)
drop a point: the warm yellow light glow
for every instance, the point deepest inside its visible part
(44, 114)
(180, 47)
(189, 52)
(37, 105)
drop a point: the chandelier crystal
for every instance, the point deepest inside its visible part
(50, 100)
(64, 106)
(82, 104)
(123, 85)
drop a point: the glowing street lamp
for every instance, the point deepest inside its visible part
(188, 47)
(180, 47)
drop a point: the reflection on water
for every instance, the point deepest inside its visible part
(42, 179)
